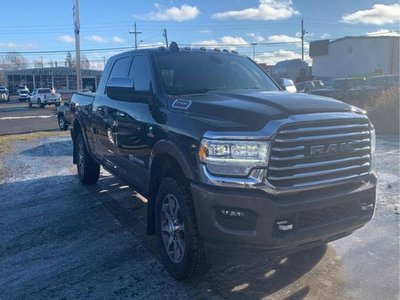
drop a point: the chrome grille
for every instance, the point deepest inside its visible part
(320, 153)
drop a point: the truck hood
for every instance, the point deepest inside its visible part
(252, 110)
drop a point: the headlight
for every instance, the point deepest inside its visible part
(233, 158)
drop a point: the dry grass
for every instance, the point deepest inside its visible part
(383, 109)
(7, 140)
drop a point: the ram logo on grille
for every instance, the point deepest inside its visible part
(331, 148)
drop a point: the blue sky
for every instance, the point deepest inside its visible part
(30, 26)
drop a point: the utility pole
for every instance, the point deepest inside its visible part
(254, 50)
(303, 33)
(165, 35)
(77, 45)
(135, 32)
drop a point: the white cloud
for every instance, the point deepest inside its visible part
(12, 45)
(96, 38)
(178, 14)
(233, 40)
(117, 39)
(283, 38)
(271, 58)
(266, 10)
(379, 14)
(325, 35)
(66, 38)
(256, 37)
(383, 32)
(206, 31)
(228, 42)
(206, 43)
(157, 44)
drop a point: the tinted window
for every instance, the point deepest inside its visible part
(201, 72)
(120, 67)
(42, 91)
(140, 72)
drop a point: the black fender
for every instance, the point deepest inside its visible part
(170, 148)
(183, 160)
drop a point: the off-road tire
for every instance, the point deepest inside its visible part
(39, 102)
(88, 168)
(193, 263)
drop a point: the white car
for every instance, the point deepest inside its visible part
(43, 97)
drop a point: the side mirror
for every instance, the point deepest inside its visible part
(122, 89)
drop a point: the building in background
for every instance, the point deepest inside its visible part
(355, 56)
(63, 79)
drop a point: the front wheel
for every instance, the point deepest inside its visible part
(88, 168)
(178, 238)
(30, 104)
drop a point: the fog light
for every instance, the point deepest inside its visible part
(284, 225)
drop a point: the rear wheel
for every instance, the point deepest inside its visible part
(88, 168)
(62, 123)
(178, 238)
(30, 104)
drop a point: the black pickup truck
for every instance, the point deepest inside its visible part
(234, 169)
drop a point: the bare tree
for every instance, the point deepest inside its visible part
(85, 62)
(38, 63)
(13, 61)
(68, 60)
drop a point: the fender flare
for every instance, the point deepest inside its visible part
(170, 148)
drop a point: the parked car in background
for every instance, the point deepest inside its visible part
(306, 86)
(4, 94)
(287, 85)
(43, 97)
(372, 87)
(23, 95)
(338, 88)
(64, 115)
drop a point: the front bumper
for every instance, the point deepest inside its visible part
(241, 225)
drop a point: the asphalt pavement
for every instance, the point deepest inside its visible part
(59, 239)
(16, 117)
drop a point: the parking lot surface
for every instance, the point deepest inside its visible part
(59, 239)
(17, 117)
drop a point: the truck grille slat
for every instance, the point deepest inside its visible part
(319, 173)
(324, 128)
(320, 153)
(323, 137)
(320, 164)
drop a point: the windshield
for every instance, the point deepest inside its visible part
(184, 73)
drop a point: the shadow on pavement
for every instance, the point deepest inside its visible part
(62, 148)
